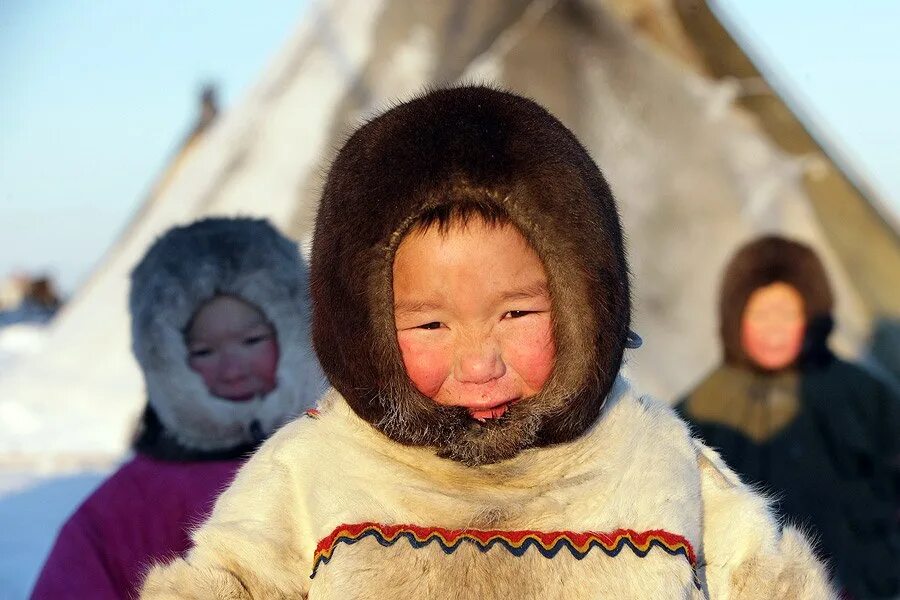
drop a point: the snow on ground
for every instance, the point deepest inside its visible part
(63, 396)
(33, 506)
(20, 340)
(36, 495)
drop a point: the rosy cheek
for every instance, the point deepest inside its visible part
(427, 363)
(793, 343)
(265, 363)
(752, 340)
(206, 368)
(531, 352)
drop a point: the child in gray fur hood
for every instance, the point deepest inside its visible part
(219, 324)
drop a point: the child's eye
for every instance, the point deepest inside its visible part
(200, 352)
(429, 326)
(255, 339)
(515, 314)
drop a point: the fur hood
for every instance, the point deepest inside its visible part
(451, 147)
(186, 267)
(765, 261)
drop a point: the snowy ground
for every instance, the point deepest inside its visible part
(19, 341)
(36, 496)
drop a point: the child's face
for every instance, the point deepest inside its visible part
(233, 348)
(773, 325)
(473, 316)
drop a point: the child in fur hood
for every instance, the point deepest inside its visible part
(219, 311)
(820, 433)
(471, 308)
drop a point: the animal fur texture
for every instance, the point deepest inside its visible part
(261, 539)
(185, 268)
(447, 148)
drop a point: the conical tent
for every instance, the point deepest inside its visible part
(700, 152)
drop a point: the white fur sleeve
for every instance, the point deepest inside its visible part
(746, 555)
(250, 547)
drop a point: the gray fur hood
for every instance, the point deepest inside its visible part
(188, 266)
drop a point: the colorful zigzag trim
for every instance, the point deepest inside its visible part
(548, 543)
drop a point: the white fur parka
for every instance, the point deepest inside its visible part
(330, 508)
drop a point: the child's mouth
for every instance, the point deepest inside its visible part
(494, 412)
(239, 397)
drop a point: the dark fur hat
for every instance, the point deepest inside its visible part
(765, 261)
(451, 147)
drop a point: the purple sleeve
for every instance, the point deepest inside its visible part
(76, 567)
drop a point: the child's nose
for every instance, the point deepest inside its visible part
(231, 368)
(479, 362)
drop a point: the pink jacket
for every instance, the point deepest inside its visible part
(142, 514)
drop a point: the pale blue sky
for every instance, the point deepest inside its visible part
(838, 62)
(94, 96)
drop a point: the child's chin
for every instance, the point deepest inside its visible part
(491, 440)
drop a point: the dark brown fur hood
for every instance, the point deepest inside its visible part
(451, 147)
(765, 261)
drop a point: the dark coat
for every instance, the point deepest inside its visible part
(822, 436)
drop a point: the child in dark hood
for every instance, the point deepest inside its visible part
(219, 311)
(822, 435)
(471, 309)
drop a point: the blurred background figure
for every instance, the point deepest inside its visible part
(219, 313)
(27, 299)
(27, 304)
(821, 435)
